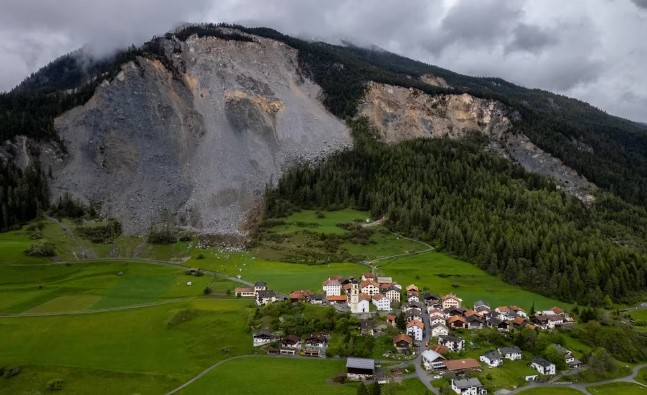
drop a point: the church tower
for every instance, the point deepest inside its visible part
(354, 298)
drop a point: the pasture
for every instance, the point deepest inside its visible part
(617, 388)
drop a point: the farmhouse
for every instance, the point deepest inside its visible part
(245, 292)
(543, 366)
(260, 286)
(415, 329)
(439, 330)
(332, 287)
(412, 305)
(381, 302)
(456, 322)
(413, 314)
(385, 280)
(412, 287)
(492, 359)
(291, 341)
(511, 353)
(474, 322)
(301, 295)
(452, 343)
(501, 325)
(263, 337)
(432, 360)
(468, 386)
(316, 341)
(481, 305)
(317, 299)
(402, 342)
(431, 299)
(451, 300)
(462, 365)
(369, 287)
(360, 368)
(266, 296)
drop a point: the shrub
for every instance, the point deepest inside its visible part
(100, 233)
(180, 316)
(55, 384)
(207, 291)
(42, 249)
(162, 236)
(11, 372)
(200, 257)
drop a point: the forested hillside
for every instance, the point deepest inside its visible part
(22, 193)
(483, 209)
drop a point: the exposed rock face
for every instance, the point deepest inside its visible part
(201, 148)
(404, 113)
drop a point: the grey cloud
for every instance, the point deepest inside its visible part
(640, 3)
(531, 38)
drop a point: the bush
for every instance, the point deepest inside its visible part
(42, 249)
(207, 291)
(55, 384)
(100, 233)
(180, 316)
(200, 257)
(163, 236)
(11, 372)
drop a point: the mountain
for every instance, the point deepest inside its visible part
(196, 122)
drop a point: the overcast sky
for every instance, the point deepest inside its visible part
(595, 50)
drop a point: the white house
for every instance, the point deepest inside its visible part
(245, 292)
(412, 306)
(492, 359)
(363, 305)
(382, 302)
(511, 353)
(260, 286)
(451, 300)
(452, 343)
(414, 314)
(543, 366)
(265, 297)
(369, 287)
(393, 294)
(413, 298)
(332, 287)
(432, 360)
(439, 330)
(437, 320)
(468, 386)
(416, 329)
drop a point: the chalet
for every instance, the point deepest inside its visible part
(337, 299)
(411, 306)
(453, 343)
(439, 330)
(382, 302)
(432, 360)
(317, 299)
(260, 286)
(501, 325)
(263, 337)
(436, 313)
(519, 311)
(570, 360)
(391, 320)
(367, 327)
(245, 292)
(393, 294)
(402, 342)
(300, 296)
(512, 353)
(416, 329)
(552, 321)
(266, 296)
(369, 287)
(501, 312)
(456, 322)
(413, 314)
(468, 386)
(316, 341)
(492, 359)
(431, 299)
(367, 276)
(291, 341)
(462, 365)
(412, 287)
(519, 322)
(442, 350)
(543, 366)
(433, 320)
(452, 311)
(412, 297)
(451, 300)
(481, 305)
(474, 322)
(360, 369)
(332, 287)
(469, 313)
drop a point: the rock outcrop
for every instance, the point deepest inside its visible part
(201, 146)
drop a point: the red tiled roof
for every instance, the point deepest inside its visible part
(417, 323)
(401, 337)
(439, 349)
(461, 364)
(337, 298)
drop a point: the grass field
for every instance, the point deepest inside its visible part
(442, 274)
(617, 388)
(551, 391)
(642, 376)
(308, 219)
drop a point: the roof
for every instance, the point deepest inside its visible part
(367, 283)
(377, 297)
(561, 349)
(332, 283)
(542, 362)
(440, 349)
(510, 350)
(260, 284)
(317, 297)
(412, 286)
(266, 294)
(481, 303)
(556, 310)
(456, 318)
(460, 364)
(291, 338)
(502, 309)
(492, 355)
(390, 317)
(368, 275)
(413, 313)
(438, 325)
(337, 298)
(360, 363)
(364, 296)
(383, 280)
(239, 290)
(417, 323)
(448, 338)
(402, 337)
(263, 332)
(367, 324)
(452, 296)
(467, 383)
(431, 356)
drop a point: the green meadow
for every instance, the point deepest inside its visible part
(617, 388)
(551, 391)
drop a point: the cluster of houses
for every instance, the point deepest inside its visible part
(260, 293)
(313, 345)
(382, 292)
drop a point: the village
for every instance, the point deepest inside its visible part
(429, 330)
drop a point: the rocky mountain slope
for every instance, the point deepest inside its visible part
(203, 145)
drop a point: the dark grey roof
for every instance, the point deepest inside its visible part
(260, 284)
(266, 294)
(413, 312)
(542, 362)
(360, 363)
(561, 349)
(367, 324)
(510, 350)
(448, 338)
(263, 332)
(467, 383)
(492, 355)
(317, 297)
(494, 321)
(481, 303)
